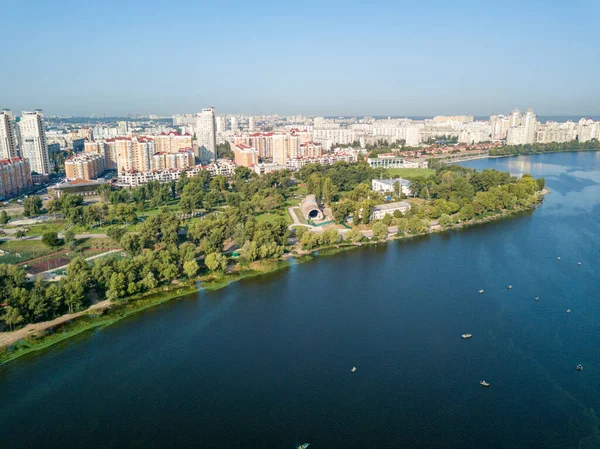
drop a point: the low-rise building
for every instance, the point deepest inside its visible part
(390, 185)
(77, 187)
(382, 210)
(385, 161)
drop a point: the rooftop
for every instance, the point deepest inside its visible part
(390, 206)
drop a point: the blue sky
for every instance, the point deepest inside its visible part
(310, 57)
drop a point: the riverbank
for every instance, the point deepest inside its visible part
(38, 336)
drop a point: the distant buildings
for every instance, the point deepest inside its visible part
(33, 141)
(206, 134)
(281, 146)
(8, 139)
(86, 166)
(15, 175)
(134, 178)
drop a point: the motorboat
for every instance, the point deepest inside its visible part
(509, 287)
(353, 370)
(579, 367)
(304, 446)
(481, 292)
(537, 298)
(578, 263)
(483, 383)
(558, 258)
(466, 336)
(568, 310)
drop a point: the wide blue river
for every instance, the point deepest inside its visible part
(265, 363)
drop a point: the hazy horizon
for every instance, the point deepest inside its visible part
(318, 58)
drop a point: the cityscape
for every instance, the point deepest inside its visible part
(138, 150)
(315, 225)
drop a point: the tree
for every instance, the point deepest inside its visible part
(20, 234)
(4, 218)
(69, 235)
(380, 230)
(328, 190)
(355, 235)
(445, 220)
(32, 206)
(190, 268)
(131, 243)
(216, 262)
(50, 238)
(12, 317)
(116, 233)
(466, 213)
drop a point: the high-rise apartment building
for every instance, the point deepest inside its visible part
(84, 166)
(206, 134)
(234, 124)
(8, 139)
(33, 145)
(15, 175)
(251, 124)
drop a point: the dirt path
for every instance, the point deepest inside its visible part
(9, 338)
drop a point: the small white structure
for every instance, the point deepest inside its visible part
(389, 185)
(382, 210)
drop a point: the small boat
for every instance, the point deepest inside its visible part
(483, 383)
(466, 336)
(568, 310)
(579, 367)
(509, 287)
(578, 263)
(304, 446)
(481, 292)
(353, 370)
(558, 258)
(537, 298)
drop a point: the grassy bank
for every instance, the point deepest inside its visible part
(98, 319)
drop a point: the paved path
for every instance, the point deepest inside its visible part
(39, 237)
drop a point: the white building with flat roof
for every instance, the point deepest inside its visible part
(382, 210)
(390, 185)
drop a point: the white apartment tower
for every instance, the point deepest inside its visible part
(251, 123)
(33, 141)
(530, 124)
(206, 134)
(234, 124)
(8, 141)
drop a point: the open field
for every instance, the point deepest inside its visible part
(410, 172)
(24, 250)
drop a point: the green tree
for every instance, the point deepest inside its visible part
(69, 235)
(4, 217)
(445, 220)
(13, 317)
(190, 268)
(354, 235)
(20, 234)
(32, 206)
(216, 262)
(380, 230)
(50, 238)
(328, 190)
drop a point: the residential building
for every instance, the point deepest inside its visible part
(392, 161)
(15, 175)
(244, 155)
(172, 142)
(8, 139)
(34, 146)
(206, 134)
(86, 166)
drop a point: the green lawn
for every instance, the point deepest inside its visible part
(264, 217)
(39, 229)
(300, 216)
(410, 172)
(27, 249)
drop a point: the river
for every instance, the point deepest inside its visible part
(265, 362)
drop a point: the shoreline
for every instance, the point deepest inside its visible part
(36, 337)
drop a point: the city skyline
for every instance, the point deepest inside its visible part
(384, 59)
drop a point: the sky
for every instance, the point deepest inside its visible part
(313, 57)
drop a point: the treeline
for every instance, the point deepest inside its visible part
(161, 250)
(553, 147)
